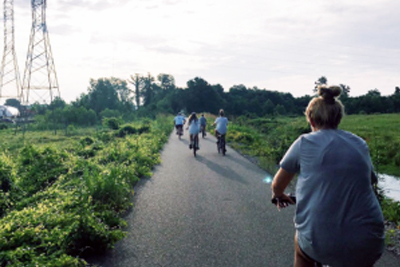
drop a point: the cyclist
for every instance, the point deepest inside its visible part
(222, 123)
(179, 121)
(193, 126)
(203, 123)
(338, 219)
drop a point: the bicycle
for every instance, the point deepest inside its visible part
(221, 144)
(195, 145)
(203, 131)
(179, 131)
(284, 203)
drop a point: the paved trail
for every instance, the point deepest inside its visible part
(206, 211)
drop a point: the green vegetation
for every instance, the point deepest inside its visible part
(267, 139)
(67, 170)
(62, 196)
(381, 131)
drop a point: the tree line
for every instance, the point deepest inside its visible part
(146, 96)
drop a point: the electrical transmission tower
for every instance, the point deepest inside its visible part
(40, 78)
(10, 82)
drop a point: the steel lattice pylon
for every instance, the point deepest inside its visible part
(10, 82)
(40, 79)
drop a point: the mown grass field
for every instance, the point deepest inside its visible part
(269, 138)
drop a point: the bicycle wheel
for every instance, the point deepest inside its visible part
(194, 147)
(223, 146)
(218, 145)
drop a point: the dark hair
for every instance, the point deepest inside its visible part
(221, 112)
(326, 110)
(192, 117)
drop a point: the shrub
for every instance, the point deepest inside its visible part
(71, 129)
(112, 123)
(110, 113)
(7, 173)
(39, 168)
(396, 160)
(391, 210)
(143, 129)
(126, 129)
(111, 186)
(87, 141)
(3, 126)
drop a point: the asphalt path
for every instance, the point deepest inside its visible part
(209, 210)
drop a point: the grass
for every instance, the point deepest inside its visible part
(269, 138)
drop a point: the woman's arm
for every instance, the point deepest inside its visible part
(281, 181)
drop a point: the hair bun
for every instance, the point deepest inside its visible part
(329, 93)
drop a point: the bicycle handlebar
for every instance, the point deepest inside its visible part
(276, 200)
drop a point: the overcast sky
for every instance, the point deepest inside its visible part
(280, 45)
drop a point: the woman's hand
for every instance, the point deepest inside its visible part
(279, 183)
(282, 201)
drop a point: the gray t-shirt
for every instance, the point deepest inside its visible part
(222, 123)
(338, 218)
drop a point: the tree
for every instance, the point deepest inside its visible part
(13, 103)
(268, 107)
(396, 99)
(322, 80)
(57, 103)
(280, 110)
(137, 82)
(167, 81)
(201, 96)
(345, 90)
(374, 93)
(103, 94)
(125, 101)
(147, 89)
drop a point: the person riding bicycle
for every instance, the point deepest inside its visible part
(179, 121)
(222, 124)
(203, 123)
(338, 218)
(194, 128)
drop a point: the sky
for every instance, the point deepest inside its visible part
(278, 45)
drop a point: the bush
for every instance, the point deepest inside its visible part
(109, 113)
(69, 206)
(71, 129)
(3, 126)
(38, 168)
(126, 129)
(7, 178)
(87, 141)
(7, 173)
(112, 123)
(391, 210)
(396, 160)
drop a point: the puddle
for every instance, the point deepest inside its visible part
(390, 185)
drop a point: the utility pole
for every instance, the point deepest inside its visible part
(10, 82)
(40, 79)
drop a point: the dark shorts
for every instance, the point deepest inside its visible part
(178, 126)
